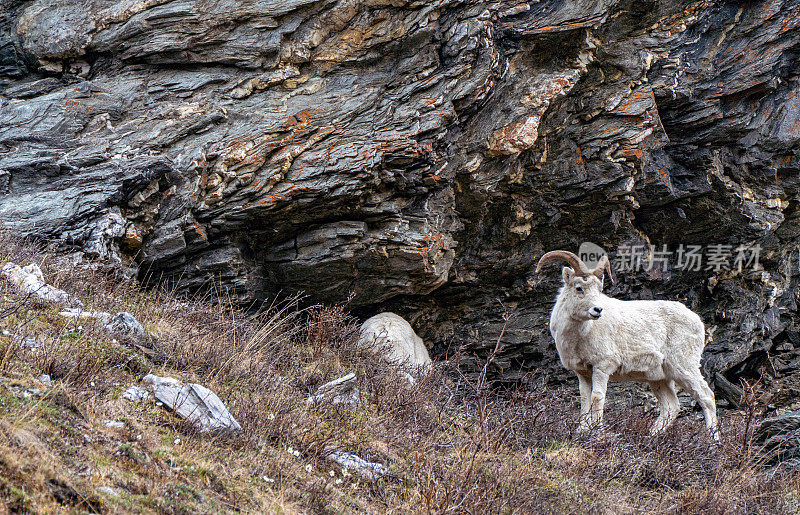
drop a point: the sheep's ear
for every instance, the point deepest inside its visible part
(567, 274)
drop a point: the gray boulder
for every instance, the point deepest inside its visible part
(121, 324)
(124, 324)
(339, 392)
(193, 402)
(779, 438)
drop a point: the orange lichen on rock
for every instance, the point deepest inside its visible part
(515, 138)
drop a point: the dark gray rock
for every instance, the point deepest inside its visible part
(339, 392)
(780, 440)
(418, 155)
(124, 324)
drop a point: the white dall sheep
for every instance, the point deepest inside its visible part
(393, 333)
(600, 339)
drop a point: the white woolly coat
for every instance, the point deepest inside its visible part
(637, 340)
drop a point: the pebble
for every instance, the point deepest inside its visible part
(31, 345)
(135, 394)
(108, 491)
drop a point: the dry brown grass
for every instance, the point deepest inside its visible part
(452, 444)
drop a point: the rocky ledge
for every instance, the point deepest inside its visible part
(417, 156)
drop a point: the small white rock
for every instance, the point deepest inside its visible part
(31, 345)
(135, 394)
(362, 467)
(108, 491)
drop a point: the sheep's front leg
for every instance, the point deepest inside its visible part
(598, 397)
(585, 385)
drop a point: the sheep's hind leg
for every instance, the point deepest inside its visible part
(694, 383)
(668, 405)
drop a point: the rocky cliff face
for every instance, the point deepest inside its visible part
(418, 155)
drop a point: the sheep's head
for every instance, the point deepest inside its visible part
(582, 291)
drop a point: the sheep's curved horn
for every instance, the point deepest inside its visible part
(603, 265)
(573, 260)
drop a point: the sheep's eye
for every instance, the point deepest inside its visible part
(579, 289)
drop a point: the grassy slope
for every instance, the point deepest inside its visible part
(451, 445)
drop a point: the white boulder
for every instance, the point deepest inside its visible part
(396, 337)
(30, 280)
